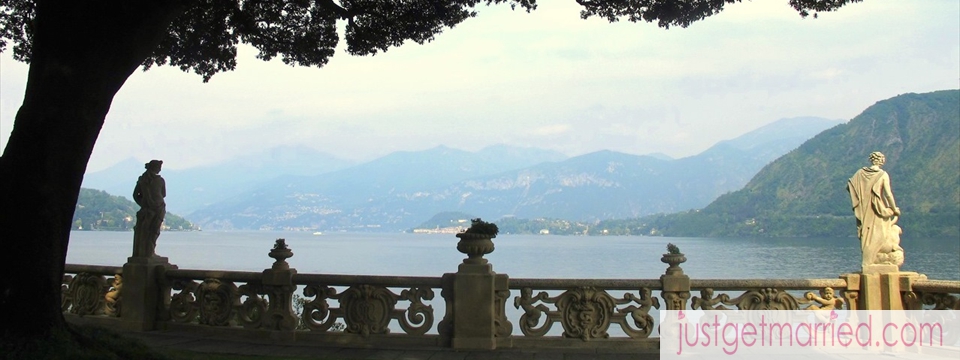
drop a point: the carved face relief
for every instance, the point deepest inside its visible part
(216, 302)
(367, 309)
(586, 313)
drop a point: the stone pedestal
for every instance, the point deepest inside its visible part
(278, 285)
(676, 284)
(474, 299)
(141, 297)
(879, 269)
(881, 290)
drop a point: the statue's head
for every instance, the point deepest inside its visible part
(877, 158)
(153, 165)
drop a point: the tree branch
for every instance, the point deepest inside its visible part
(335, 8)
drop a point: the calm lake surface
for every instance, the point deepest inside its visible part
(520, 256)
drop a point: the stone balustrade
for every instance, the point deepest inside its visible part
(476, 307)
(90, 290)
(932, 294)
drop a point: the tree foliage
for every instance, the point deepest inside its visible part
(82, 52)
(204, 37)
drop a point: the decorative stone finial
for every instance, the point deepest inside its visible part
(674, 258)
(280, 253)
(476, 241)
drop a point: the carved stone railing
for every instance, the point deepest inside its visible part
(367, 305)
(213, 298)
(476, 308)
(370, 307)
(770, 294)
(91, 290)
(586, 309)
(932, 294)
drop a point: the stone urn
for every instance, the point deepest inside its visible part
(674, 258)
(475, 246)
(280, 253)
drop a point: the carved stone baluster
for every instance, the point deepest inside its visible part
(502, 325)
(585, 313)
(317, 314)
(941, 301)
(852, 292)
(911, 301)
(642, 321)
(676, 285)
(532, 314)
(367, 309)
(183, 305)
(252, 310)
(445, 327)
(217, 300)
(278, 286)
(474, 291)
(417, 313)
(65, 298)
(765, 299)
(114, 297)
(87, 294)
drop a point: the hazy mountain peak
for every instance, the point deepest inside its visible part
(522, 154)
(798, 129)
(660, 155)
(803, 192)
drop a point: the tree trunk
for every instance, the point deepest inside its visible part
(83, 52)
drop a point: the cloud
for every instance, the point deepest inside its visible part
(546, 79)
(551, 130)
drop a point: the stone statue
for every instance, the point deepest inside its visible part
(877, 214)
(149, 194)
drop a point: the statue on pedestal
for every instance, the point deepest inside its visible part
(149, 194)
(877, 214)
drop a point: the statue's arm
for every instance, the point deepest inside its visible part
(137, 195)
(854, 197)
(887, 193)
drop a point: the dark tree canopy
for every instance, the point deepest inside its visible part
(204, 37)
(82, 51)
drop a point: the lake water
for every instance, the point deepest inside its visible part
(519, 256)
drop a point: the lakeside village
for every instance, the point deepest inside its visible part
(462, 225)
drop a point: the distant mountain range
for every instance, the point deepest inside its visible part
(804, 192)
(403, 189)
(191, 189)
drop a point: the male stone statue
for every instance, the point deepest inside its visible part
(149, 194)
(877, 214)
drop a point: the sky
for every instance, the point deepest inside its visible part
(545, 79)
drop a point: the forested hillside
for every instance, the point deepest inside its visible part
(804, 192)
(98, 210)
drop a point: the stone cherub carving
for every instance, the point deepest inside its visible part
(149, 194)
(877, 214)
(827, 300)
(112, 298)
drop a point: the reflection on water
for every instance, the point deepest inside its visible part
(520, 256)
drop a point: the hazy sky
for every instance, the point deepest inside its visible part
(545, 79)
